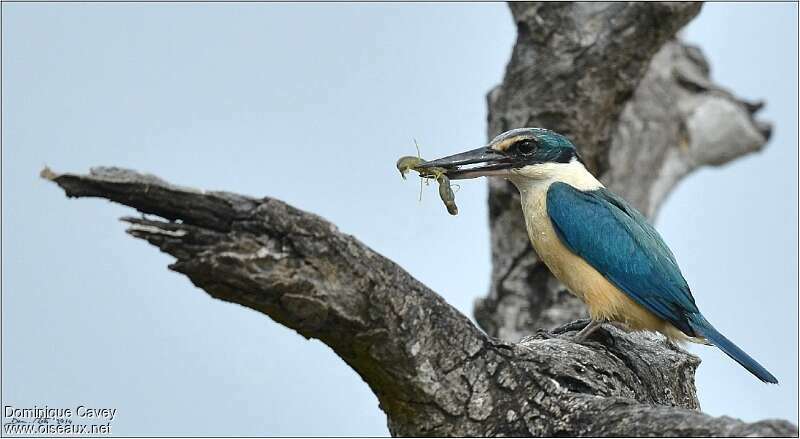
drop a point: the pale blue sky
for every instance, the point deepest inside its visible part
(206, 95)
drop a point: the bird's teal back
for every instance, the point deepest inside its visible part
(616, 240)
(619, 243)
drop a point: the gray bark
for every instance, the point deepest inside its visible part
(587, 70)
(640, 124)
(432, 370)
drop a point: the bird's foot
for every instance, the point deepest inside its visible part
(561, 331)
(577, 325)
(589, 332)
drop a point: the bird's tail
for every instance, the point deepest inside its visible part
(701, 327)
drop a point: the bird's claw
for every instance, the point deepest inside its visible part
(576, 325)
(589, 332)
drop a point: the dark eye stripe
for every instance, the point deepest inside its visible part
(506, 144)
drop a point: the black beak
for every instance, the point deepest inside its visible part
(486, 162)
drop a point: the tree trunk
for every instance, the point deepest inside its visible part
(585, 70)
(582, 69)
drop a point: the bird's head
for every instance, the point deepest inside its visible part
(532, 153)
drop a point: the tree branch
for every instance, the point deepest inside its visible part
(433, 371)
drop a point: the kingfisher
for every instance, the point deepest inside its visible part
(600, 247)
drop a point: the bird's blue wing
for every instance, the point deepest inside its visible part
(617, 241)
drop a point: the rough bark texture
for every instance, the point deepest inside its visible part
(643, 112)
(585, 69)
(433, 371)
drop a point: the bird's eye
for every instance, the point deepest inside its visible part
(525, 147)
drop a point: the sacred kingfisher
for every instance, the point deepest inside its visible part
(593, 241)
